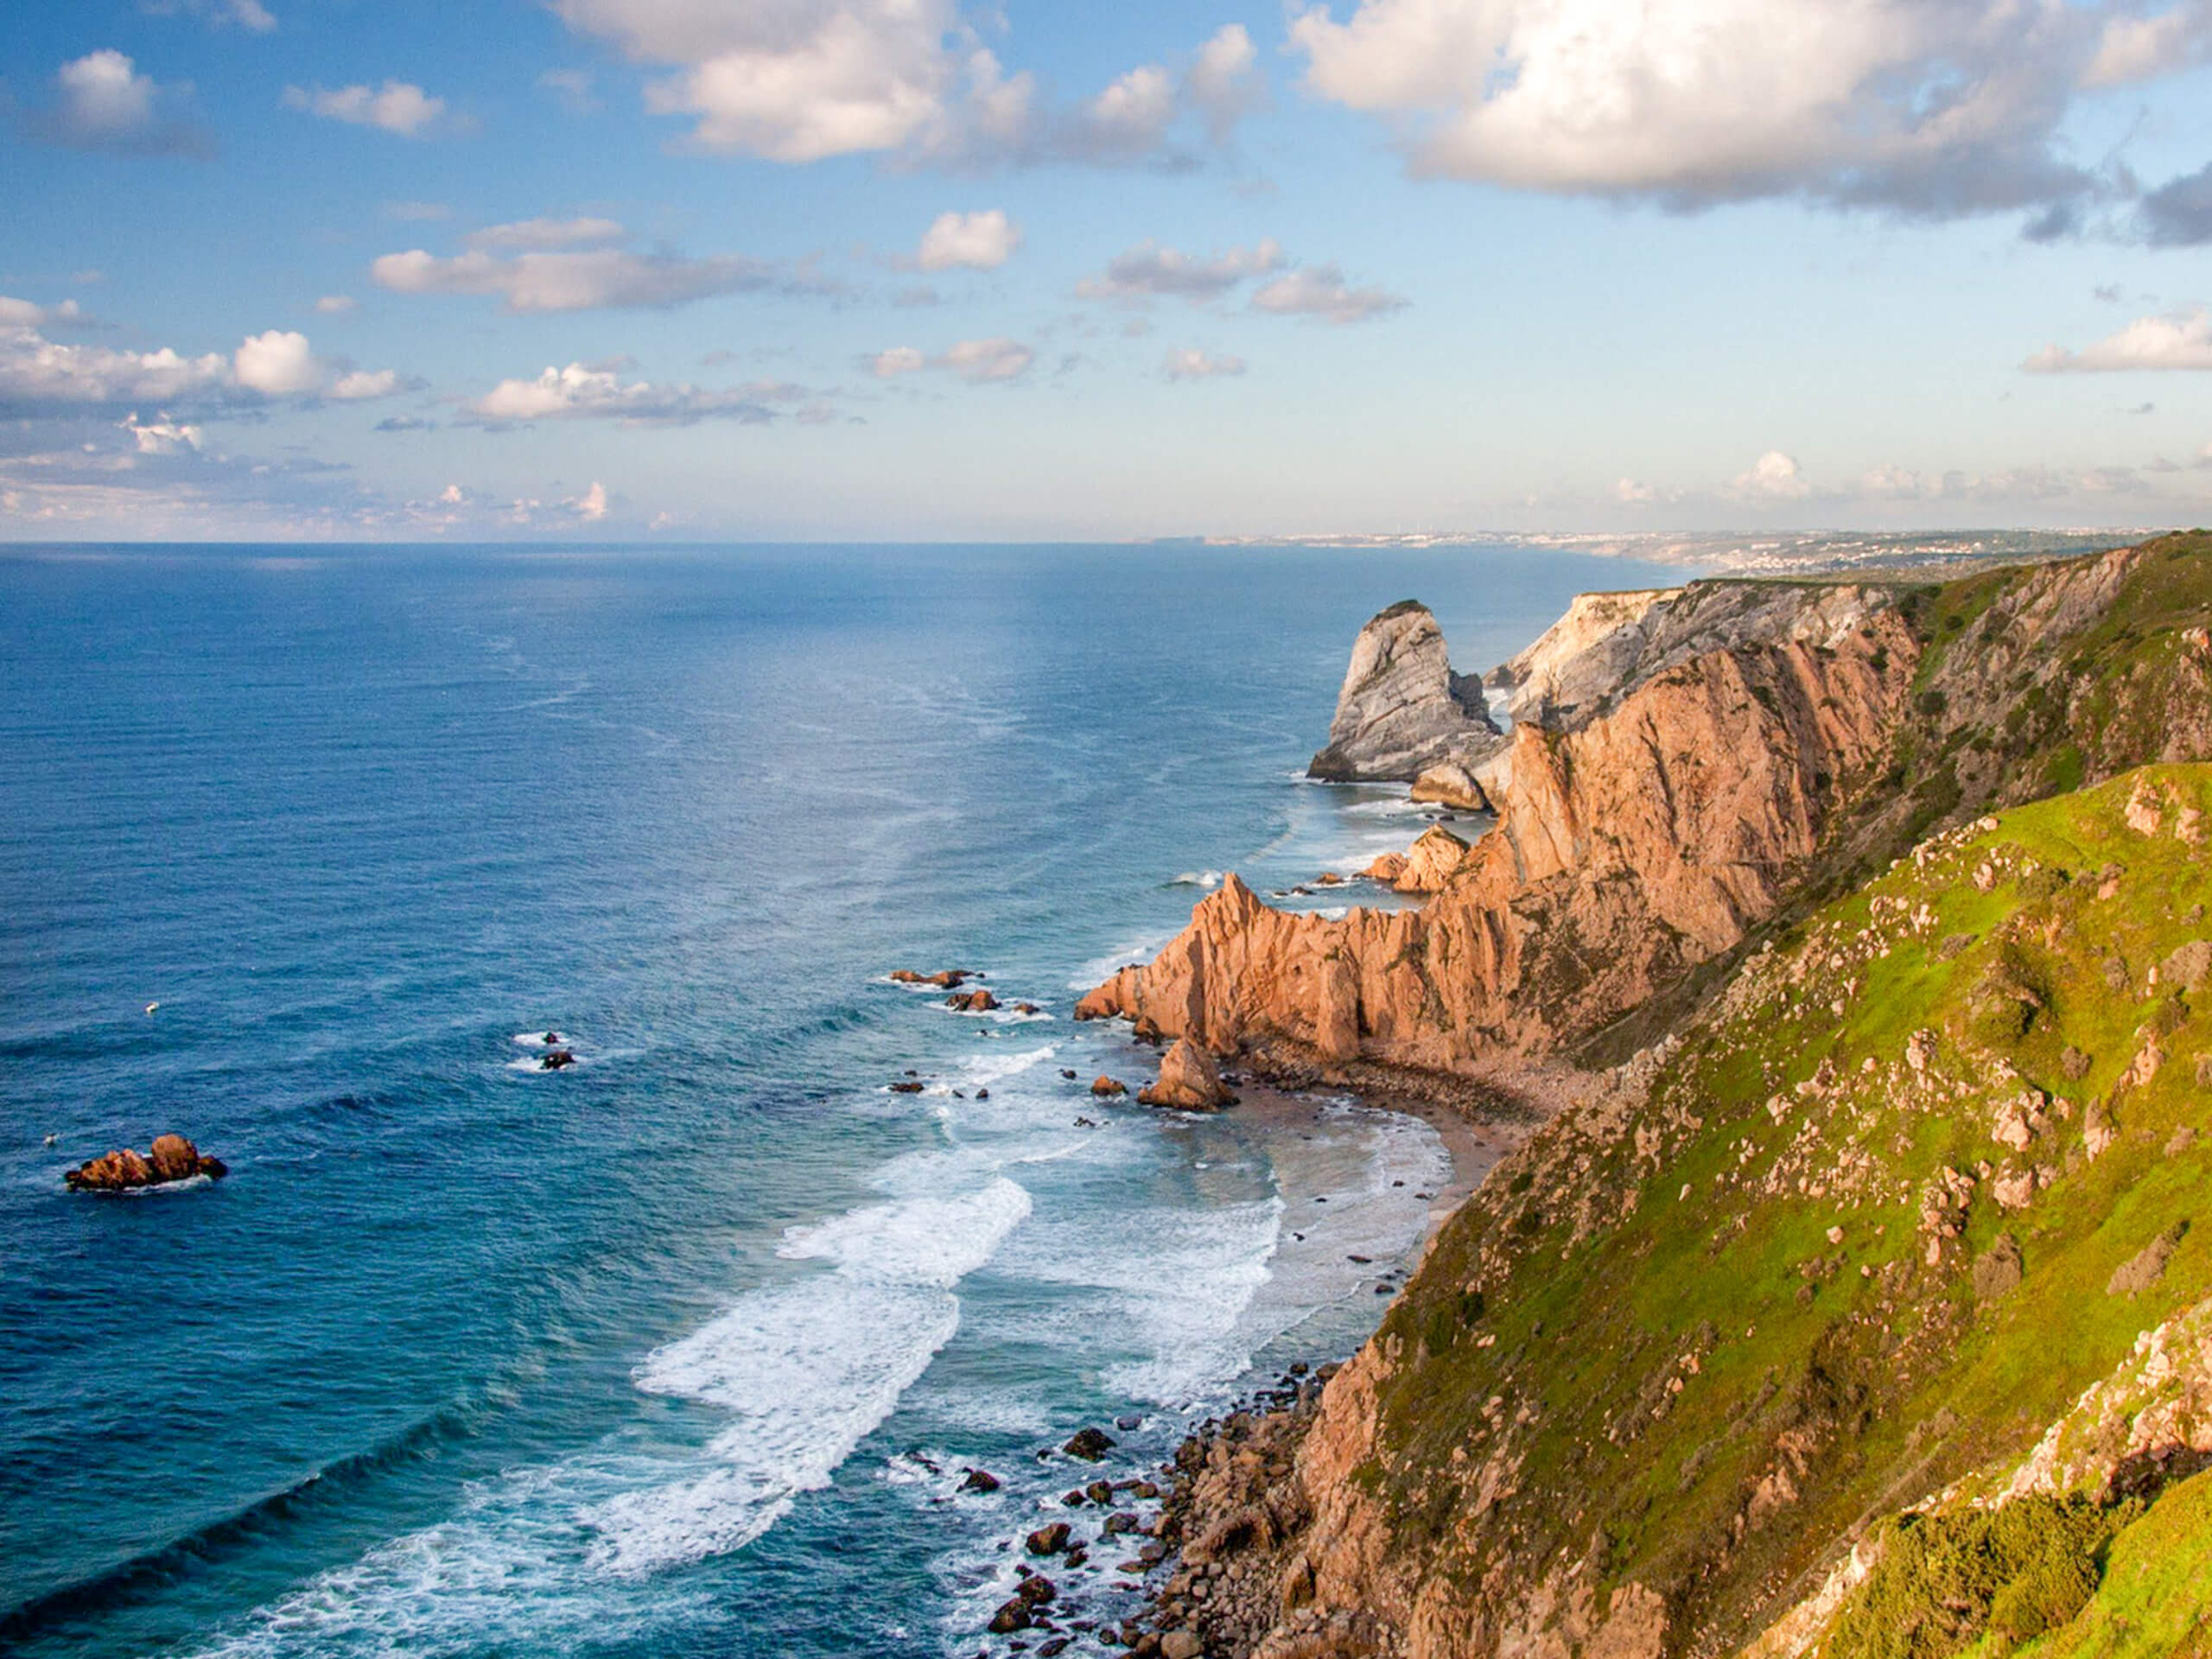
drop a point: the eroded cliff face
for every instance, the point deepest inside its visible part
(1629, 847)
(1859, 1234)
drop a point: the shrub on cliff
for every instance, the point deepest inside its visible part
(1943, 1580)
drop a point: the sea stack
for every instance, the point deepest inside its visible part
(171, 1158)
(1402, 710)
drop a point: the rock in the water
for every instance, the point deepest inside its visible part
(1090, 1445)
(556, 1060)
(1011, 1617)
(1189, 1081)
(980, 1480)
(905, 1088)
(172, 1159)
(978, 1001)
(1449, 784)
(1104, 1086)
(1402, 709)
(1048, 1541)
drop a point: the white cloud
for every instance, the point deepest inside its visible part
(997, 359)
(1321, 291)
(278, 362)
(1132, 115)
(103, 94)
(161, 436)
(583, 281)
(539, 234)
(797, 82)
(336, 305)
(250, 15)
(899, 360)
(103, 102)
(1773, 477)
(398, 106)
(2132, 48)
(975, 360)
(44, 376)
(980, 241)
(803, 80)
(1222, 84)
(1150, 270)
(591, 506)
(37, 372)
(1925, 108)
(2178, 341)
(27, 313)
(583, 392)
(1190, 363)
(360, 384)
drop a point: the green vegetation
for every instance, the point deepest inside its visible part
(1943, 1580)
(2155, 1597)
(1715, 1332)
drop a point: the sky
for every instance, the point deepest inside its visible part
(917, 270)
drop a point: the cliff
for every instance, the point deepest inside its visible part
(1895, 1234)
(1761, 744)
(1402, 709)
(1868, 1310)
(1629, 847)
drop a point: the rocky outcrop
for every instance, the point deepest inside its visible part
(1629, 848)
(171, 1158)
(1584, 657)
(1189, 1081)
(1449, 784)
(1402, 709)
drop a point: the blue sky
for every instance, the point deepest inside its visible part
(907, 270)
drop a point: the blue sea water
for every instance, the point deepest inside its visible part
(683, 1351)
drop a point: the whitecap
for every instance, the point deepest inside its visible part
(808, 1371)
(1207, 878)
(919, 1240)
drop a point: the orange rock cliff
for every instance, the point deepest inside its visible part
(1635, 839)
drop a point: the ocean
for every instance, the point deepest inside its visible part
(685, 1350)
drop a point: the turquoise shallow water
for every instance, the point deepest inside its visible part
(683, 1351)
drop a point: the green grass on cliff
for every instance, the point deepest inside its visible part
(1695, 1344)
(2154, 1599)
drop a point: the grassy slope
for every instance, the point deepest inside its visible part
(1694, 1247)
(2155, 1598)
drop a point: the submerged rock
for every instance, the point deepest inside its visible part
(171, 1158)
(1402, 709)
(1189, 1081)
(556, 1060)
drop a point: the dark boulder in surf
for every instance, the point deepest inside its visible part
(171, 1158)
(1090, 1445)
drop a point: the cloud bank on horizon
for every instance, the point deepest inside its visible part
(895, 269)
